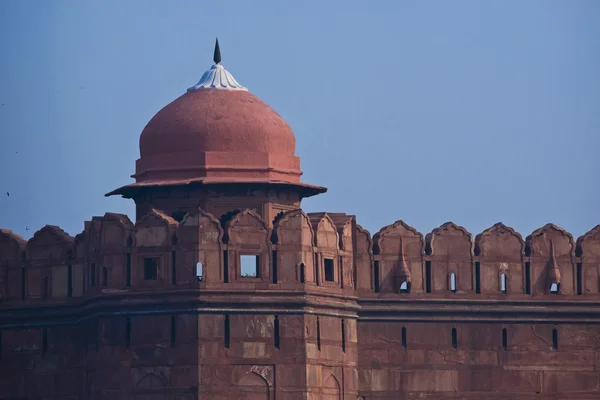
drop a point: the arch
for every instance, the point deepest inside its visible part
(50, 242)
(503, 283)
(151, 381)
(445, 230)
(11, 245)
(551, 230)
(115, 230)
(555, 288)
(323, 224)
(452, 282)
(253, 386)
(404, 287)
(286, 221)
(331, 388)
(155, 229)
(588, 245)
(398, 228)
(246, 218)
(302, 273)
(498, 240)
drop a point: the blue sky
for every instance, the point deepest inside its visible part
(428, 111)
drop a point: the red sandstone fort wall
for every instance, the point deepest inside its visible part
(331, 312)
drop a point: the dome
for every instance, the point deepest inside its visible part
(217, 132)
(217, 121)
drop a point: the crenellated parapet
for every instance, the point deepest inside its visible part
(588, 270)
(398, 264)
(315, 251)
(500, 269)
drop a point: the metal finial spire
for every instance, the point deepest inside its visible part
(217, 55)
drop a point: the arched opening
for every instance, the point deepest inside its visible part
(405, 287)
(253, 386)
(452, 282)
(178, 215)
(331, 389)
(555, 288)
(302, 273)
(503, 283)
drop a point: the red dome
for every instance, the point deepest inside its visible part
(217, 133)
(217, 120)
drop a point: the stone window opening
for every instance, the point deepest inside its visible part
(427, 276)
(454, 339)
(477, 278)
(250, 266)
(403, 337)
(579, 273)
(504, 339)
(554, 340)
(452, 282)
(274, 266)
(405, 287)
(329, 270)
(150, 269)
(376, 276)
(302, 273)
(555, 288)
(226, 332)
(173, 330)
(343, 327)
(104, 277)
(318, 334)
(199, 271)
(503, 283)
(46, 287)
(93, 274)
(128, 332)
(276, 332)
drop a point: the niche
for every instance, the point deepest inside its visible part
(555, 288)
(150, 269)
(328, 265)
(250, 266)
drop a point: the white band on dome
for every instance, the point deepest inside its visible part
(217, 77)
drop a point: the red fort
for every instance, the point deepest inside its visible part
(224, 288)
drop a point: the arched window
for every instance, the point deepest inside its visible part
(405, 287)
(452, 282)
(555, 288)
(503, 283)
(302, 273)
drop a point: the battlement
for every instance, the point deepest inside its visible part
(315, 251)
